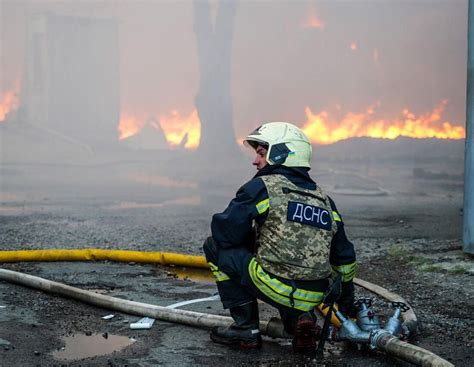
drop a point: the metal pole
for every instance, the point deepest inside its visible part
(468, 235)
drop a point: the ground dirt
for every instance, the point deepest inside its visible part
(407, 234)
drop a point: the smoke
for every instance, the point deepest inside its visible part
(278, 66)
(287, 57)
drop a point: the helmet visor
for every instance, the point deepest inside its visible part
(253, 142)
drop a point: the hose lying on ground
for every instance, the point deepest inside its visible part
(169, 258)
(272, 328)
(164, 258)
(411, 353)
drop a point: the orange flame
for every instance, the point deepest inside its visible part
(184, 131)
(353, 46)
(129, 125)
(312, 20)
(8, 102)
(323, 129)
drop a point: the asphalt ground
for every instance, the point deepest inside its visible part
(407, 234)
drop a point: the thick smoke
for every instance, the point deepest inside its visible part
(140, 60)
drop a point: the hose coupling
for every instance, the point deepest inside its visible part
(350, 331)
(378, 337)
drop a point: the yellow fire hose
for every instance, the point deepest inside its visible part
(164, 258)
(95, 254)
(393, 346)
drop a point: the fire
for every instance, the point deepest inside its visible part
(322, 128)
(312, 20)
(129, 125)
(353, 46)
(182, 131)
(8, 102)
(178, 130)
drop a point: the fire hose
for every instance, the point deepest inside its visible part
(385, 339)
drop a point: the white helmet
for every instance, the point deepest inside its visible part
(287, 144)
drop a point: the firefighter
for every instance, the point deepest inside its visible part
(280, 240)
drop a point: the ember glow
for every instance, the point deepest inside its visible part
(182, 131)
(8, 102)
(353, 46)
(322, 128)
(312, 20)
(178, 130)
(129, 125)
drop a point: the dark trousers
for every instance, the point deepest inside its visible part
(236, 290)
(235, 286)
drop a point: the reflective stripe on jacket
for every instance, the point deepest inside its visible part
(301, 299)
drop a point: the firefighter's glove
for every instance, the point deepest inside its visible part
(346, 301)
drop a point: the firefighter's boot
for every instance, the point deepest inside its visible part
(305, 334)
(244, 331)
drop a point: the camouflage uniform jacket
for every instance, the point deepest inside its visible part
(294, 240)
(235, 226)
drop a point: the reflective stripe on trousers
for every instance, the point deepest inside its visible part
(282, 293)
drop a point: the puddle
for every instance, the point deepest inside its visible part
(81, 346)
(193, 274)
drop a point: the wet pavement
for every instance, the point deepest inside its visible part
(81, 346)
(397, 235)
(66, 331)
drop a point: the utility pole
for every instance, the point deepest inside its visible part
(468, 233)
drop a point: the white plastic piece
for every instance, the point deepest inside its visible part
(108, 317)
(144, 323)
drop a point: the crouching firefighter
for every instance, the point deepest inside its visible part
(280, 240)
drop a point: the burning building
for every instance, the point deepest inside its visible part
(71, 79)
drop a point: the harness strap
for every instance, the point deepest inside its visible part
(293, 290)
